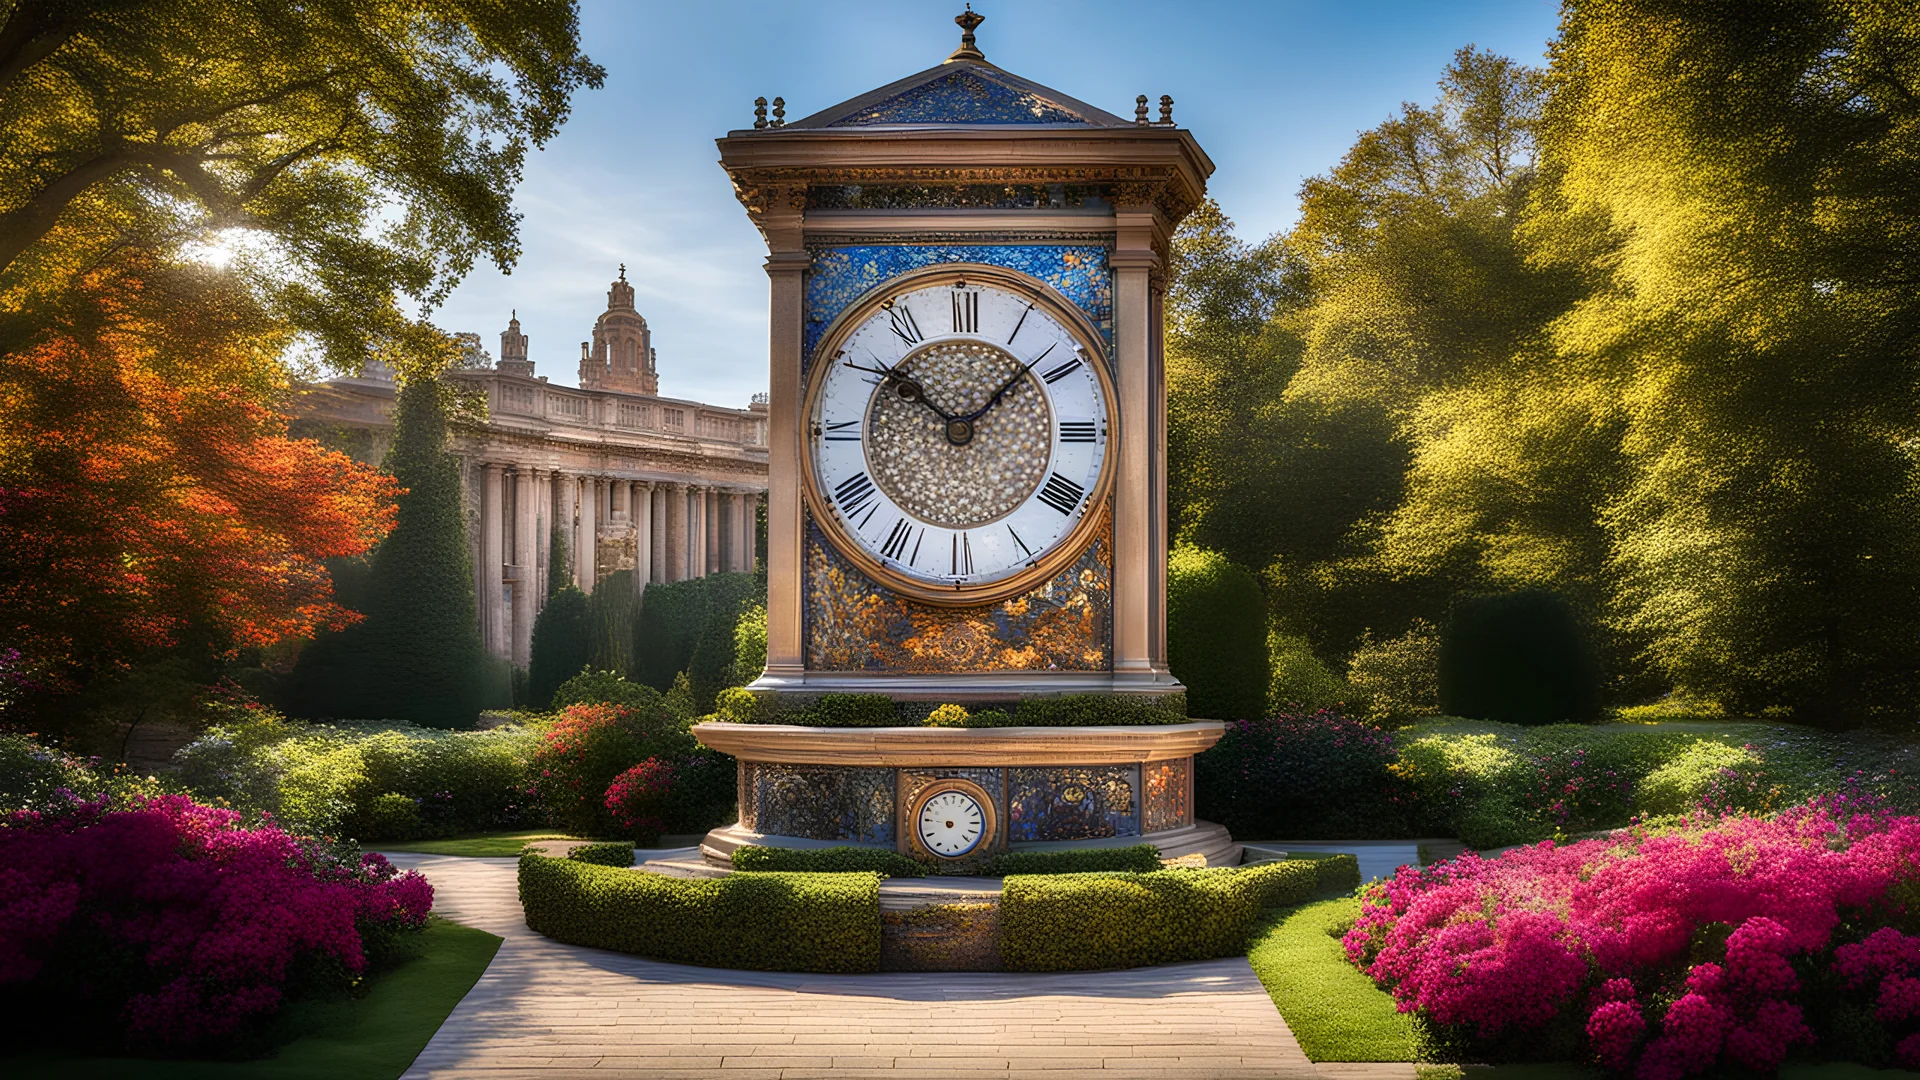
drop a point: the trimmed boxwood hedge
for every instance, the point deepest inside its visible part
(1084, 922)
(833, 860)
(1140, 858)
(764, 922)
(613, 853)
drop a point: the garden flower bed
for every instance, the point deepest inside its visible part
(1717, 943)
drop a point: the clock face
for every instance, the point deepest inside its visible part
(959, 436)
(951, 823)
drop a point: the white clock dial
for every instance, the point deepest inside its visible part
(951, 823)
(959, 434)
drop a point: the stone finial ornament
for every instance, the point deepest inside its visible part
(968, 20)
(760, 113)
(779, 112)
(1140, 109)
(1166, 109)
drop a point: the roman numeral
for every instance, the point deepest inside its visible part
(848, 431)
(962, 556)
(1076, 431)
(853, 492)
(1061, 493)
(1021, 323)
(1022, 543)
(897, 539)
(1062, 371)
(900, 320)
(966, 312)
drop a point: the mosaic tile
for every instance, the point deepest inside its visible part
(819, 802)
(914, 781)
(962, 97)
(1165, 803)
(959, 196)
(1072, 802)
(851, 623)
(841, 275)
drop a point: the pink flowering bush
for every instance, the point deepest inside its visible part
(1723, 943)
(637, 800)
(171, 926)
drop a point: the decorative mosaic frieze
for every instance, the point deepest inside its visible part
(958, 196)
(818, 802)
(853, 624)
(963, 97)
(1072, 802)
(914, 781)
(1165, 786)
(842, 274)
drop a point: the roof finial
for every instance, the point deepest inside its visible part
(623, 271)
(1140, 109)
(1166, 110)
(759, 113)
(967, 19)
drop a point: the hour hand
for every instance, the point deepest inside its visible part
(905, 387)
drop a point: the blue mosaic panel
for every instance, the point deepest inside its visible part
(818, 802)
(962, 97)
(842, 275)
(1074, 802)
(914, 781)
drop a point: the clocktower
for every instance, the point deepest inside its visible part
(967, 435)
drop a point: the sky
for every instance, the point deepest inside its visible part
(1274, 91)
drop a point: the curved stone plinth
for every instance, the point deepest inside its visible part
(1017, 746)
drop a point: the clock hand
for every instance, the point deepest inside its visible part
(1006, 386)
(906, 388)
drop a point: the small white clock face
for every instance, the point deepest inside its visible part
(951, 823)
(959, 434)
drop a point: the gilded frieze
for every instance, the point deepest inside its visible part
(852, 624)
(1165, 786)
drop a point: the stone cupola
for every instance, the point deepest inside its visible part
(620, 357)
(513, 350)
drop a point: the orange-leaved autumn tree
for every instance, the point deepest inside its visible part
(150, 497)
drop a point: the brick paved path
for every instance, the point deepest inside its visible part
(546, 1010)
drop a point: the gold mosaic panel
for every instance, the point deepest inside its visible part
(852, 624)
(1165, 786)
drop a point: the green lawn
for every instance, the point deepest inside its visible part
(1335, 1011)
(369, 1038)
(479, 845)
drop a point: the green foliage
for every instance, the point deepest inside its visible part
(608, 854)
(764, 922)
(1081, 922)
(1135, 858)
(604, 687)
(1304, 776)
(562, 645)
(1217, 634)
(948, 716)
(1332, 1007)
(692, 626)
(832, 860)
(1298, 678)
(1521, 658)
(417, 656)
(848, 710)
(588, 745)
(1398, 680)
(1690, 776)
(32, 777)
(1090, 710)
(749, 645)
(559, 562)
(329, 780)
(613, 613)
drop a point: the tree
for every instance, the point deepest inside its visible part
(1217, 635)
(362, 149)
(417, 656)
(150, 497)
(1738, 185)
(562, 645)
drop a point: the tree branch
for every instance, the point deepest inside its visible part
(31, 34)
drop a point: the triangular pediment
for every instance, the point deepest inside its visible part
(963, 92)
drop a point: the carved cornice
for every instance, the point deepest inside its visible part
(1166, 189)
(1099, 237)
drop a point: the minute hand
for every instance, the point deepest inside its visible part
(1006, 386)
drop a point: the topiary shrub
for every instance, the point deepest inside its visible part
(832, 860)
(1136, 858)
(1397, 681)
(602, 854)
(1217, 634)
(762, 922)
(749, 645)
(1093, 710)
(561, 645)
(1083, 922)
(604, 687)
(1306, 776)
(1519, 658)
(848, 710)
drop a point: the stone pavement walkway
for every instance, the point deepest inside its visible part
(545, 1010)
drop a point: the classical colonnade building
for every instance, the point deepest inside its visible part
(663, 488)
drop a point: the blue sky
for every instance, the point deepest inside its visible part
(1274, 91)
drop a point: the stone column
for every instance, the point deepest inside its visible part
(787, 260)
(642, 502)
(1133, 262)
(493, 615)
(713, 530)
(566, 491)
(589, 533)
(697, 532)
(743, 532)
(525, 564)
(676, 533)
(542, 536)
